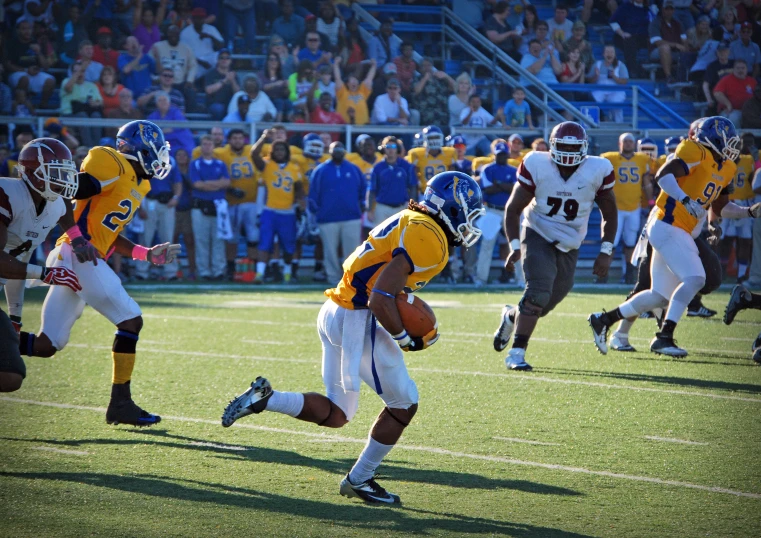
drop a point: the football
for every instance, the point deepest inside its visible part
(417, 317)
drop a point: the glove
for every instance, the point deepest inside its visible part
(60, 276)
(16, 321)
(163, 254)
(694, 208)
(418, 343)
(236, 193)
(84, 251)
(755, 210)
(715, 231)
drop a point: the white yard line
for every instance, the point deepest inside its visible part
(672, 440)
(433, 450)
(217, 445)
(525, 441)
(61, 450)
(267, 342)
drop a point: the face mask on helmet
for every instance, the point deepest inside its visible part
(52, 179)
(159, 167)
(566, 153)
(434, 141)
(314, 148)
(648, 149)
(457, 215)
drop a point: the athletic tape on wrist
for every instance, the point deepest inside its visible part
(139, 252)
(607, 248)
(515, 244)
(33, 271)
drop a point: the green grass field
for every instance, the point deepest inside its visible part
(585, 445)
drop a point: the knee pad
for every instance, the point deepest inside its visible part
(532, 304)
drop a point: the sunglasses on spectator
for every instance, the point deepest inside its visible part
(167, 75)
(313, 39)
(224, 57)
(390, 146)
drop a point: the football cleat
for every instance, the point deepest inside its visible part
(599, 332)
(620, 342)
(505, 329)
(369, 491)
(666, 345)
(757, 349)
(738, 300)
(516, 360)
(122, 410)
(254, 400)
(700, 312)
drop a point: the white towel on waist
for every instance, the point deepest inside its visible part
(224, 229)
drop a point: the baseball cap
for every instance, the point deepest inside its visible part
(500, 147)
(104, 30)
(198, 12)
(244, 99)
(361, 138)
(515, 136)
(389, 68)
(579, 24)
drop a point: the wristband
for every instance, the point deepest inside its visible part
(384, 293)
(139, 252)
(402, 338)
(33, 271)
(515, 244)
(606, 248)
(74, 232)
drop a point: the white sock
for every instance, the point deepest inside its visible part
(261, 267)
(287, 269)
(288, 403)
(368, 461)
(624, 326)
(741, 268)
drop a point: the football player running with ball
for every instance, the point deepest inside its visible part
(555, 192)
(362, 335)
(112, 185)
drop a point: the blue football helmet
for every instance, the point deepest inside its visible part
(455, 198)
(143, 141)
(418, 140)
(314, 147)
(648, 146)
(719, 134)
(672, 142)
(433, 138)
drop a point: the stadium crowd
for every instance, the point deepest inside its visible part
(173, 60)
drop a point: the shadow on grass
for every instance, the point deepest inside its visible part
(354, 515)
(644, 355)
(336, 466)
(669, 380)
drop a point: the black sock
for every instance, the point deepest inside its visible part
(755, 301)
(520, 341)
(317, 266)
(609, 318)
(696, 302)
(26, 343)
(231, 266)
(668, 328)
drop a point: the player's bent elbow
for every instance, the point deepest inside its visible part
(10, 381)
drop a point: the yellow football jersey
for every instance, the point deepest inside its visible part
(480, 162)
(366, 167)
(242, 172)
(409, 233)
(102, 217)
(703, 183)
(280, 181)
(629, 175)
(295, 151)
(428, 166)
(744, 179)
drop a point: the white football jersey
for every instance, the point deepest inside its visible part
(561, 207)
(26, 229)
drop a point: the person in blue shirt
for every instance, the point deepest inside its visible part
(630, 24)
(517, 110)
(393, 182)
(336, 197)
(462, 164)
(497, 181)
(135, 67)
(313, 52)
(210, 181)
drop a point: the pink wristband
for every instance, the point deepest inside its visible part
(74, 232)
(140, 252)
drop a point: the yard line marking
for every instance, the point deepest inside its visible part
(267, 342)
(222, 447)
(61, 450)
(526, 441)
(432, 450)
(514, 377)
(672, 440)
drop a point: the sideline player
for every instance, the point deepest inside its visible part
(29, 208)
(695, 180)
(742, 299)
(362, 335)
(432, 158)
(112, 185)
(558, 190)
(739, 232)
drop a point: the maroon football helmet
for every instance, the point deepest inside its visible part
(47, 167)
(568, 143)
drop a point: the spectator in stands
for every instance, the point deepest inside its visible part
(608, 7)
(542, 35)
(391, 108)
(470, 11)
(729, 29)
(103, 53)
(81, 98)
(683, 13)
(384, 46)
(181, 14)
(458, 101)
(578, 41)
(539, 144)
(109, 90)
(430, 90)
(701, 49)
(477, 117)
(331, 24)
(171, 54)
(260, 107)
(355, 49)
(92, 68)
(405, 67)
(751, 111)
(210, 180)
(379, 84)
(203, 39)
(73, 31)
(300, 84)
(21, 107)
(560, 27)
(325, 83)
(667, 39)
(147, 101)
(715, 71)
(573, 70)
(744, 49)
(25, 64)
(536, 63)
(146, 23)
(611, 72)
(310, 22)
(126, 111)
(528, 27)
(630, 26)
(136, 67)
(275, 84)
(516, 145)
(351, 97)
(289, 26)
(322, 112)
(220, 84)
(337, 197)
(240, 13)
(313, 53)
(240, 113)
(166, 111)
(43, 37)
(183, 226)
(500, 32)
(733, 91)
(517, 111)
